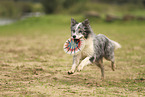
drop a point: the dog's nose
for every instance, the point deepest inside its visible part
(74, 36)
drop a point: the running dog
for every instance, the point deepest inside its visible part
(96, 47)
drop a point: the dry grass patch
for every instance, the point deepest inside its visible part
(36, 65)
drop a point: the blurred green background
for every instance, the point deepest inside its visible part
(19, 8)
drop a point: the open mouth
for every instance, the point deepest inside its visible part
(76, 40)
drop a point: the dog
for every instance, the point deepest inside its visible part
(96, 47)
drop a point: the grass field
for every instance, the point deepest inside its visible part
(33, 63)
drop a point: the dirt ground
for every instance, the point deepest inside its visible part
(37, 66)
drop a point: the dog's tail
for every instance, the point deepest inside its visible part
(117, 45)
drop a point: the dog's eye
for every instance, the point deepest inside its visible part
(73, 31)
(80, 31)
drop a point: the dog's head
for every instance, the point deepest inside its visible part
(80, 30)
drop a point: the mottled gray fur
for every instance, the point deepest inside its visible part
(103, 47)
(96, 48)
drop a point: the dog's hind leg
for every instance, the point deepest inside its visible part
(101, 66)
(112, 59)
(113, 64)
(76, 59)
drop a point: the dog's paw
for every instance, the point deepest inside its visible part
(102, 78)
(113, 68)
(79, 68)
(70, 72)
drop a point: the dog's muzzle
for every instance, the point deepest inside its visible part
(74, 36)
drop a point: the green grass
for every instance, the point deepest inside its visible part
(33, 62)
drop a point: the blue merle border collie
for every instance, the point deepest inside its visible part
(96, 47)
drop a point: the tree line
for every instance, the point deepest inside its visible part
(51, 6)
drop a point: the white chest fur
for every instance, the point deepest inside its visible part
(89, 48)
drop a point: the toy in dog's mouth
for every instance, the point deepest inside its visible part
(74, 46)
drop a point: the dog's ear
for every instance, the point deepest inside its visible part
(73, 22)
(86, 22)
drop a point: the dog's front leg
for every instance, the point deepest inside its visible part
(76, 59)
(85, 62)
